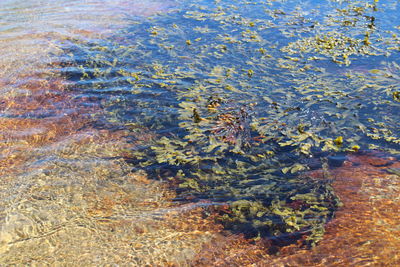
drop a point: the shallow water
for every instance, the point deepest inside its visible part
(199, 133)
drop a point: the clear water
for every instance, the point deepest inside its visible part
(162, 133)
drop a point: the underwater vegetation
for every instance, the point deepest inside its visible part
(245, 97)
(214, 133)
(366, 224)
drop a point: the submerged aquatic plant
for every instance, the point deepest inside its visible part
(238, 105)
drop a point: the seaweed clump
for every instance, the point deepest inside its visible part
(239, 101)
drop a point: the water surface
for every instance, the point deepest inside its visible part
(160, 133)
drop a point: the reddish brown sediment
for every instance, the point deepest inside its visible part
(365, 230)
(232, 250)
(45, 114)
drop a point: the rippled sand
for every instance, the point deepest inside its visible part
(67, 195)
